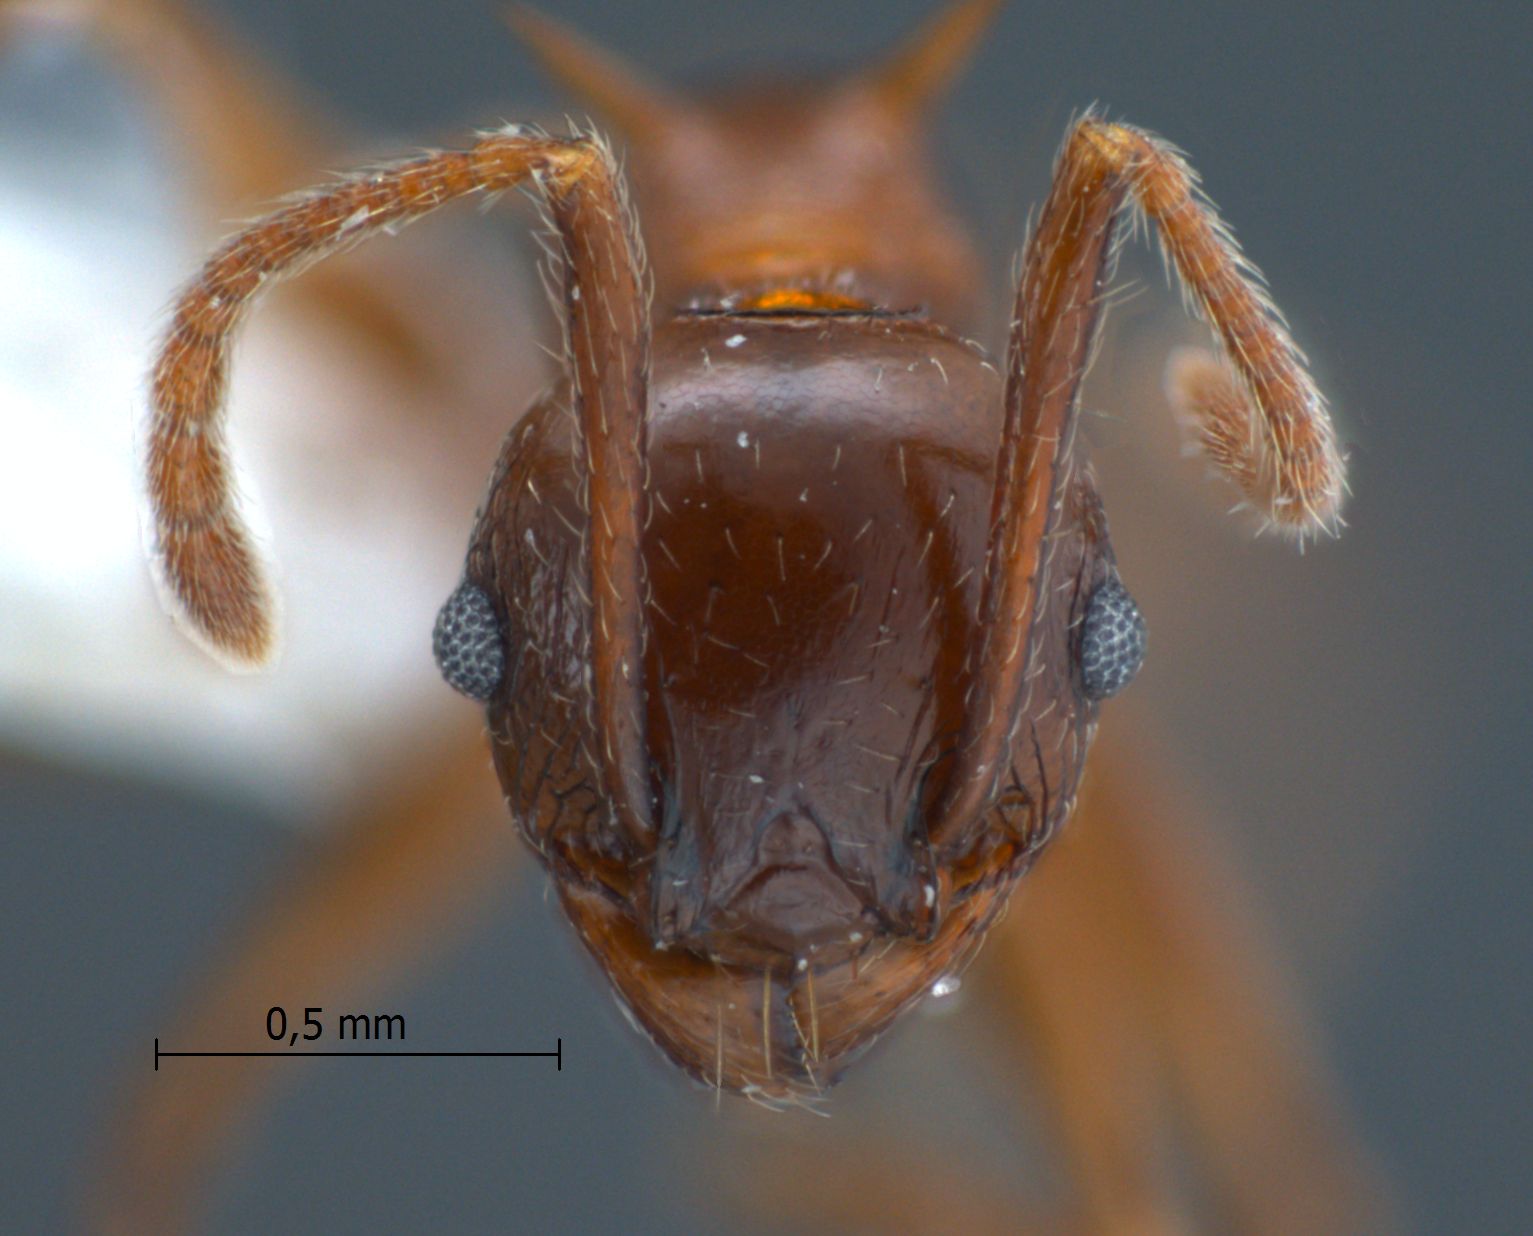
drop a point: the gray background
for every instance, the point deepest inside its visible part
(1359, 717)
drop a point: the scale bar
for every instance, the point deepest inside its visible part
(556, 1055)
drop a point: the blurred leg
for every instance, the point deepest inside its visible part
(1132, 961)
(1065, 970)
(245, 133)
(249, 136)
(1270, 1130)
(405, 871)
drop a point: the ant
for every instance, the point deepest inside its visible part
(791, 609)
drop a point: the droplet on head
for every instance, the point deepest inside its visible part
(1113, 639)
(467, 643)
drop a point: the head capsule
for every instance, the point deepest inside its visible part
(819, 491)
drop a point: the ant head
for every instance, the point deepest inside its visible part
(819, 490)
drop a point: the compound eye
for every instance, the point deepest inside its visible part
(1112, 641)
(467, 643)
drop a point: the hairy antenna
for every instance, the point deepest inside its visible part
(1265, 422)
(204, 548)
